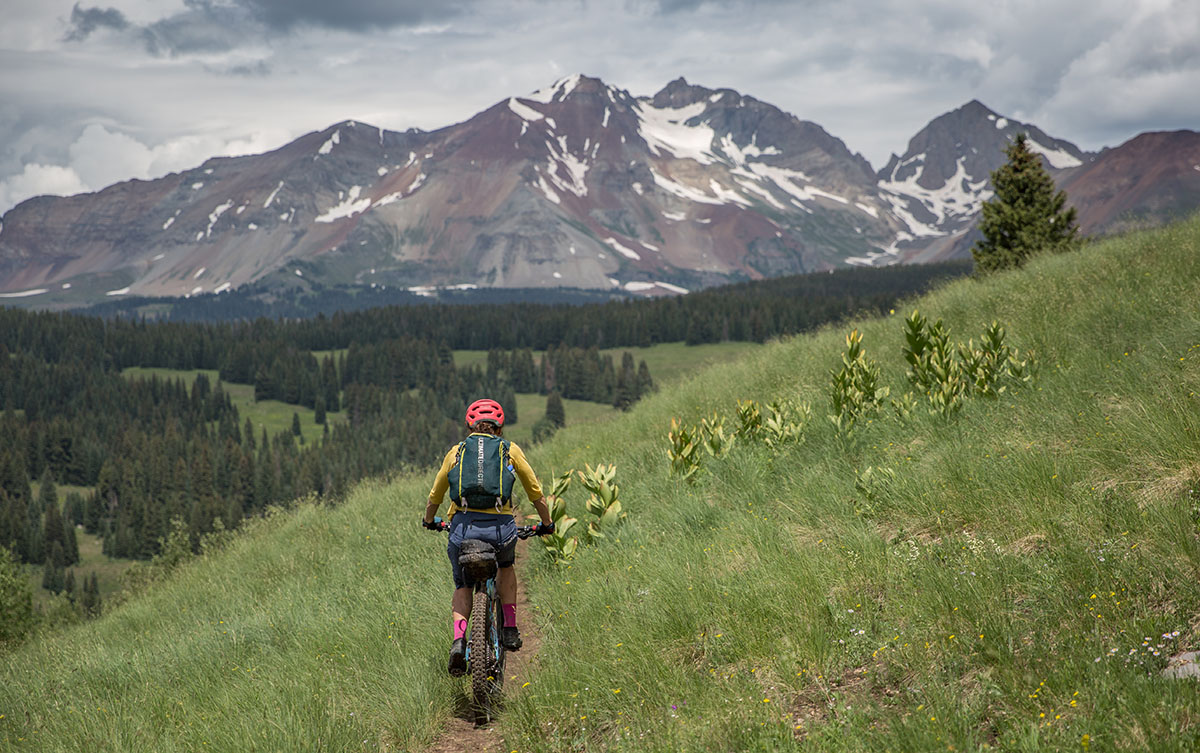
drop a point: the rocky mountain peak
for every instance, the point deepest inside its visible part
(576, 184)
(679, 93)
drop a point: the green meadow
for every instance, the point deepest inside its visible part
(272, 415)
(1013, 577)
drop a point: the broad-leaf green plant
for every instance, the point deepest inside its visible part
(603, 501)
(857, 391)
(785, 423)
(750, 420)
(684, 452)
(714, 438)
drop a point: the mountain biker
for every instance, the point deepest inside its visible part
(494, 524)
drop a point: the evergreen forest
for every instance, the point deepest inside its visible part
(155, 453)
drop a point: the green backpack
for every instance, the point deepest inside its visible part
(482, 475)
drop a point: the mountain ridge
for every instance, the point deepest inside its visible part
(578, 184)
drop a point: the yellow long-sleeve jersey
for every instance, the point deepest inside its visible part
(529, 480)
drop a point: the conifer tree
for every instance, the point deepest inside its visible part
(555, 412)
(47, 492)
(16, 600)
(1026, 215)
(90, 600)
(645, 382)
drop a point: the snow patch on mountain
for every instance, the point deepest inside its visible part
(216, 215)
(271, 198)
(636, 286)
(546, 190)
(25, 293)
(395, 196)
(785, 179)
(332, 141)
(958, 198)
(760, 191)
(740, 155)
(524, 111)
(682, 191)
(868, 209)
(348, 207)
(726, 195)
(558, 91)
(666, 132)
(1058, 158)
(623, 250)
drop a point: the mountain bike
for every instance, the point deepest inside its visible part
(485, 652)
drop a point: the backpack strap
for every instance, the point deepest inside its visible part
(505, 463)
(462, 446)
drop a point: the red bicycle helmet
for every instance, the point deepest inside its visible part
(485, 410)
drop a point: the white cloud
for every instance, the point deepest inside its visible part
(39, 180)
(100, 157)
(871, 73)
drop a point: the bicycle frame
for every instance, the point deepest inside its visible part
(487, 590)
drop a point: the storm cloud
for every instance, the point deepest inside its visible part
(133, 88)
(352, 15)
(84, 21)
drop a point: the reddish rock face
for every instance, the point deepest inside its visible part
(579, 184)
(1148, 180)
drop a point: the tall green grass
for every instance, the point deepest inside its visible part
(1007, 587)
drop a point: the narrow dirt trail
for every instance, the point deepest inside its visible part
(462, 735)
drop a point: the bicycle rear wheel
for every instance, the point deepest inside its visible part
(483, 655)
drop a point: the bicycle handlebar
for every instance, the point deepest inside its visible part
(523, 532)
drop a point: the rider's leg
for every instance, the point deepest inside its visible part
(506, 584)
(460, 605)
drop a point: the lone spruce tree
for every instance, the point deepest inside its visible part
(1026, 216)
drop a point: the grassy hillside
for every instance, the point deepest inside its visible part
(1014, 580)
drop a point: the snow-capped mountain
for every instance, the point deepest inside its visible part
(580, 184)
(939, 184)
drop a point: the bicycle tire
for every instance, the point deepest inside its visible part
(482, 659)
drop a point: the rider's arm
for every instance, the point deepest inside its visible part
(543, 510)
(529, 480)
(440, 484)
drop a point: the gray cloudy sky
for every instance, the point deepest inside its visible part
(94, 93)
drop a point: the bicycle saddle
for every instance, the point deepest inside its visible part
(477, 559)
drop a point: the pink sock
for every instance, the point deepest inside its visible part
(510, 615)
(460, 629)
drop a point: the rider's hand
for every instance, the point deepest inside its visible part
(544, 529)
(434, 525)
